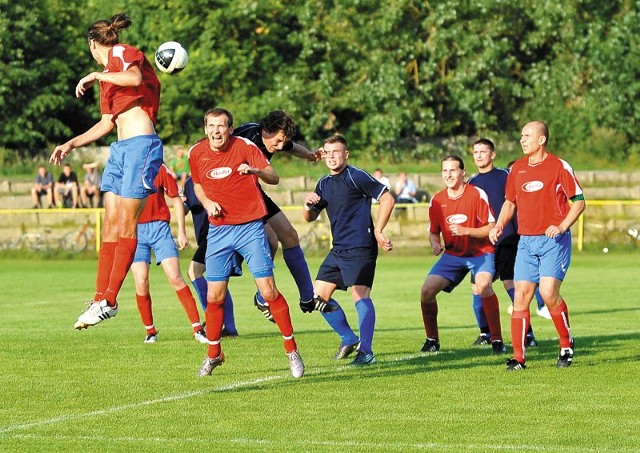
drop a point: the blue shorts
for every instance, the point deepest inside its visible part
(346, 268)
(455, 268)
(247, 239)
(542, 256)
(133, 166)
(155, 236)
(201, 251)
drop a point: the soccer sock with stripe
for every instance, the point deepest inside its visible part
(189, 304)
(280, 312)
(430, 319)
(492, 312)
(200, 285)
(481, 319)
(520, 321)
(297, 264)
(229, 318)
(367, 323)
(103, 272)
(214, 315)
(146, 314)
(124, 253)
(338, 322)
(560, 318)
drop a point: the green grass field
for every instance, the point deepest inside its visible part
(104, 390)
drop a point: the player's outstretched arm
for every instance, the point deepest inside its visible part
(304, 153)
(97, 131)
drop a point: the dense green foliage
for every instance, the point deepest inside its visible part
(401, 79)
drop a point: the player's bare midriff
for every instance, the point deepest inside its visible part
(134, 122)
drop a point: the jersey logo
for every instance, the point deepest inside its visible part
(219, 173)
(456, 219)
(532, 186)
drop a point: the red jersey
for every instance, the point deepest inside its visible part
(217, 172)
(156, 207)
(115, 99)
(541, 192)
(471, 209)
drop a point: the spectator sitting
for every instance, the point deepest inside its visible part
(42, 187)
(179, 166)
(91, 186)
(67, 188)
(405, 189)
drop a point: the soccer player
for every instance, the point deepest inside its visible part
(272, 134)
(540, 186)
(197, 265)
(129, 101)
(154, 233)
(346, 194)
(461, 214)
(225, 172)
(493, 180)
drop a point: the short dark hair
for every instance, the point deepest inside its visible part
(487, 142)
(276, 121)
(337, 139)
(456, 158)
(219, 111)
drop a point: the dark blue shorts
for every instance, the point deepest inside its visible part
(346, 268)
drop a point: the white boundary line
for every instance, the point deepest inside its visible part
(7, 432)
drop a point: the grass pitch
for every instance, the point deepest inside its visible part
(104, 390)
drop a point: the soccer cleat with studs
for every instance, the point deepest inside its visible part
(430, 345)
(264, 308)
(210, 364)
(498, 347)
(345, 350)
(364, 358)
(530, 342)
(95, 313)
(295, 364)
(318, 304)
(201, 336)
(482, 340)
(514, 365)
(565, 358)
(151, 338)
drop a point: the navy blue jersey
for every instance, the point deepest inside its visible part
(347, 198)
(253, 132)
(198, 213)
(493, 183)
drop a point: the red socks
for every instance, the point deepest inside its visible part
(492, 312)
(144, 307)
(430, 320)
(560, 317)
(189, 304)
(122, 260)
(105, 263)
(214, 315)
(520, 321)
(280, 312)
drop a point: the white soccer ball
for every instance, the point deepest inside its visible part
(605, 250)
(171, 57)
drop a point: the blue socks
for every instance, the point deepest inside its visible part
(200, 285)
(481, 319)
(338, 322)
(229, 320)
(367, 322)
(297, 264)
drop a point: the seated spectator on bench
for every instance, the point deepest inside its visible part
(405, 189)
(91, 186)
(43, 187)
(67, 188)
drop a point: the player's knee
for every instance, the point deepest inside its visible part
(289, 237)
